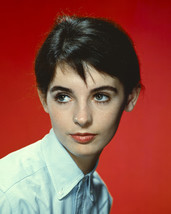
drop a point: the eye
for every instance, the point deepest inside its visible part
(101, 98)
(62, 98)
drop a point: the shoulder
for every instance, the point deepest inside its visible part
(101, 190)
(20, 164)
(98, 181)
(4, 204)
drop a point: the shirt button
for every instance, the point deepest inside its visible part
(60, 193)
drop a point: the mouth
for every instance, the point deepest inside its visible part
(83, 137)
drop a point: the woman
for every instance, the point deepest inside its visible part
(87, 74)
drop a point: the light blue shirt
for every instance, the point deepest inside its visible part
(42, 178)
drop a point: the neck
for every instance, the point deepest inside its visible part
(86, 164)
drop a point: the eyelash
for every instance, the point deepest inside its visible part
(107, 98)
(95, 96)
(62, 95)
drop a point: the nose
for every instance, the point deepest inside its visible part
(82, 116)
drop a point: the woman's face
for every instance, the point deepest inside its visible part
(84, 116)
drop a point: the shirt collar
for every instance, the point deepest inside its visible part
(64, 172)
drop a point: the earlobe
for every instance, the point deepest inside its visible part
(132, 99)
(43, 101)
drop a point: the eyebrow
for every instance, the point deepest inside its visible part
(105, 87)
(68, 90)
(60, 88)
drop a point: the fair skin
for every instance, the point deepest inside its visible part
(85, 116)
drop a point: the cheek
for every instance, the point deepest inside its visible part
(110, 121)
(110, 124)
(55, 116)
(59, 118)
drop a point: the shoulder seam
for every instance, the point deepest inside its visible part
(7, 189)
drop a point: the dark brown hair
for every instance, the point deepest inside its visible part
(98, 42)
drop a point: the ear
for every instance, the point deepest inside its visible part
(43, 100)
(132, 99)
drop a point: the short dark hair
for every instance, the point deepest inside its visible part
(98, 42)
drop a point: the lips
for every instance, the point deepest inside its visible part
(83, 137)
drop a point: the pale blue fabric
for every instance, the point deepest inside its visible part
(43, 178)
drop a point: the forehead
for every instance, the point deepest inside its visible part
(68, 77)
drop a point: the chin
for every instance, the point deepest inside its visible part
(86, 153)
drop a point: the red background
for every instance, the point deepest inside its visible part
(137, 164)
